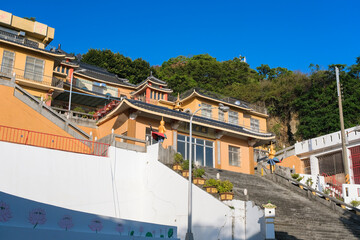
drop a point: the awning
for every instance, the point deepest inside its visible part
(84, 99)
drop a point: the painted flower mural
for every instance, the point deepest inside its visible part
(37, 216)
(119, 228)
(5, 213)
(66, 222)
(96, 225)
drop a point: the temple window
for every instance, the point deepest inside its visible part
(234, 156)
(34, 68)
(233, 117)
(203, 150)
(254, 124)
(7, 62)
(206, 110)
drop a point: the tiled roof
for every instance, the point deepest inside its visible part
(153, 79)
(220, 97)
(102, 74)
(208, 121)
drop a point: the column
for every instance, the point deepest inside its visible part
(314, 165)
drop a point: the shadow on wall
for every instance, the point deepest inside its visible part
(25, 219)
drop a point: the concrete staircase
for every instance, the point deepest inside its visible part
(297, 217)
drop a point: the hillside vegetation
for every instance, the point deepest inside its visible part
(301, 106)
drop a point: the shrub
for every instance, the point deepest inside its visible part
(225, 186)
(299, 179)
(326, 191)
(79, 109)
(212, 183)
(355, 203)
(199, 172)
(185, 165)
(295, 176)
(178, 158)
(309, 182)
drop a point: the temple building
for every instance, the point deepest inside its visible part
(100, 103)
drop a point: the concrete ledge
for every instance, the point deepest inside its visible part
(50, 114)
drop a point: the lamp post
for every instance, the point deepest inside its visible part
(189, 234)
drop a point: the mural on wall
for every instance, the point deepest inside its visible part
(5, 213)
(48, 217)
(96, 225)
(66, 222)
(37, 216)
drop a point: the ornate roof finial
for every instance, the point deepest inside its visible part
(151, 74)
(162, 128)
(177, 103)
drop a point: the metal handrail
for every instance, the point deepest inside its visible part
(52, 141)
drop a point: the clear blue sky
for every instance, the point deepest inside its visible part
(291, 33)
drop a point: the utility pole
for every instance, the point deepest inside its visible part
(343, 137)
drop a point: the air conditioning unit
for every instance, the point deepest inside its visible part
(99, 84)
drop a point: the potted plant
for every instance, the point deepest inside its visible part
(198, 179)
(185, 168)
(178, 161)
(211, 185)
(225, 190)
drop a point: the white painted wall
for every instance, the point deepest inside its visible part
(329, 140)
(126, 185)
(351, 192)
(318, 181)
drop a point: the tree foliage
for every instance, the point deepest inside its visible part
(135, 71)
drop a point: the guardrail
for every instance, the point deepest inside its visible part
(31, 76)
(74, 114)
(320, 196)
(57, 142)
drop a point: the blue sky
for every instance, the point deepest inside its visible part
(291, 34)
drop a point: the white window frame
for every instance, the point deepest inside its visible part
(233, 117)
(7, 62)
(31, 72)
(234, 156)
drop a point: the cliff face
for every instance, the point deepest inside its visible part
(284, 128)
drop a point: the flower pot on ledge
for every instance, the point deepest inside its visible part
(211, 190)
(177, 167)
(226, 196)
(185, 173)
(199, 181)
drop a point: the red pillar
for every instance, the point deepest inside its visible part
(147, 96)
(165, 96)
(71, 73)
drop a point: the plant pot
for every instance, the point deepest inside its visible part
(226, 196)
(185, 173)
(211, 189)
(177, 167)
(199, 181)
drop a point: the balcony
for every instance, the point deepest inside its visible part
(18, 39)
(33, 79)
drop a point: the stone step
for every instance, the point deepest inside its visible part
(297, 217)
